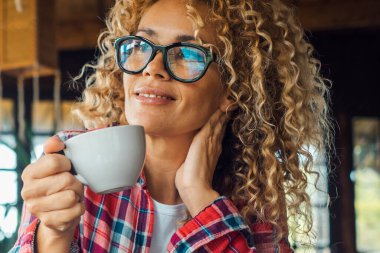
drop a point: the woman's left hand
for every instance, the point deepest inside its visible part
(194, 178)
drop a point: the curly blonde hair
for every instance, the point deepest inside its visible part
(282, 102)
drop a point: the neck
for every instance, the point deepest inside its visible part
(164, 157)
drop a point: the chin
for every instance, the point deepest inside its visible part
(157, 131)
(154, 129)
(148, 124)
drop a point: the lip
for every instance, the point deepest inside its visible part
(153, 100)
(154, 91)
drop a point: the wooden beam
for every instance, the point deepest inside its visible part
(79, 22)
(343, 237)
(338, 14)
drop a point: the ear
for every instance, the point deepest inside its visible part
(227, 104)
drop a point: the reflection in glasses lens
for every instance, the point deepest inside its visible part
(186, 62)
(135, 54)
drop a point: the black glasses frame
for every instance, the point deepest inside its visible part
(210, 56)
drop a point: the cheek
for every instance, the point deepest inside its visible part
(128, 80)
(199, 107)
(211, 94)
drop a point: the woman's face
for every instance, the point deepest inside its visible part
(190, 104)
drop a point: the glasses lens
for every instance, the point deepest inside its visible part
(134, 54)
(186, 62)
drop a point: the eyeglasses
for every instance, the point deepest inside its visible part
(185, 62)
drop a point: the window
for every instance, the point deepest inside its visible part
(320, 241)
(366, 178)
(43, 125)
(8, 175)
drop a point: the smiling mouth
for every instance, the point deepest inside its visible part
(148, 95)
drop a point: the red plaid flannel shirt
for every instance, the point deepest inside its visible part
(123, 222)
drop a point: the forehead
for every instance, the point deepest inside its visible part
(169, 19)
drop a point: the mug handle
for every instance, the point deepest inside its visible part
(79, 177)
(73, 171)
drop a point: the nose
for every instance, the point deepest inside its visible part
(156, 68)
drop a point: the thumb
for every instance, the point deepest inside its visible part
(53, 145)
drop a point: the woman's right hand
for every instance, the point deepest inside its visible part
(52, 193)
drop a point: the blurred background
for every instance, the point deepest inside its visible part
(43, 43)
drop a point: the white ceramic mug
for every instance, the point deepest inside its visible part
(108, 159)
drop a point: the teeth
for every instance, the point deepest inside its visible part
(153, 96)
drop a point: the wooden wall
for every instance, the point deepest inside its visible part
(79, 21)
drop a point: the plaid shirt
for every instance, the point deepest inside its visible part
(123, 222)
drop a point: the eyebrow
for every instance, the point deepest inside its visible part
(180, 37)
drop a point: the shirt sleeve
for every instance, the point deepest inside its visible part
(26, 235)
(221, 228)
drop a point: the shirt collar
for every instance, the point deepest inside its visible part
(141, 181)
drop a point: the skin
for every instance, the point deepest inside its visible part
(53, 195)
(183, 138)
(177, 132)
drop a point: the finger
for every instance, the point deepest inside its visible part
(46, 166)
(53, 145)
(57, 201)
(220, 126)
(216, 140)
(215, 117)
(50, 185)
(217, 129)
(206, 130)
(225, 123)
(61, 218)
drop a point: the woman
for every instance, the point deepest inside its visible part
(230, 99)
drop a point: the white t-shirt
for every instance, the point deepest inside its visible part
(166, 219)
